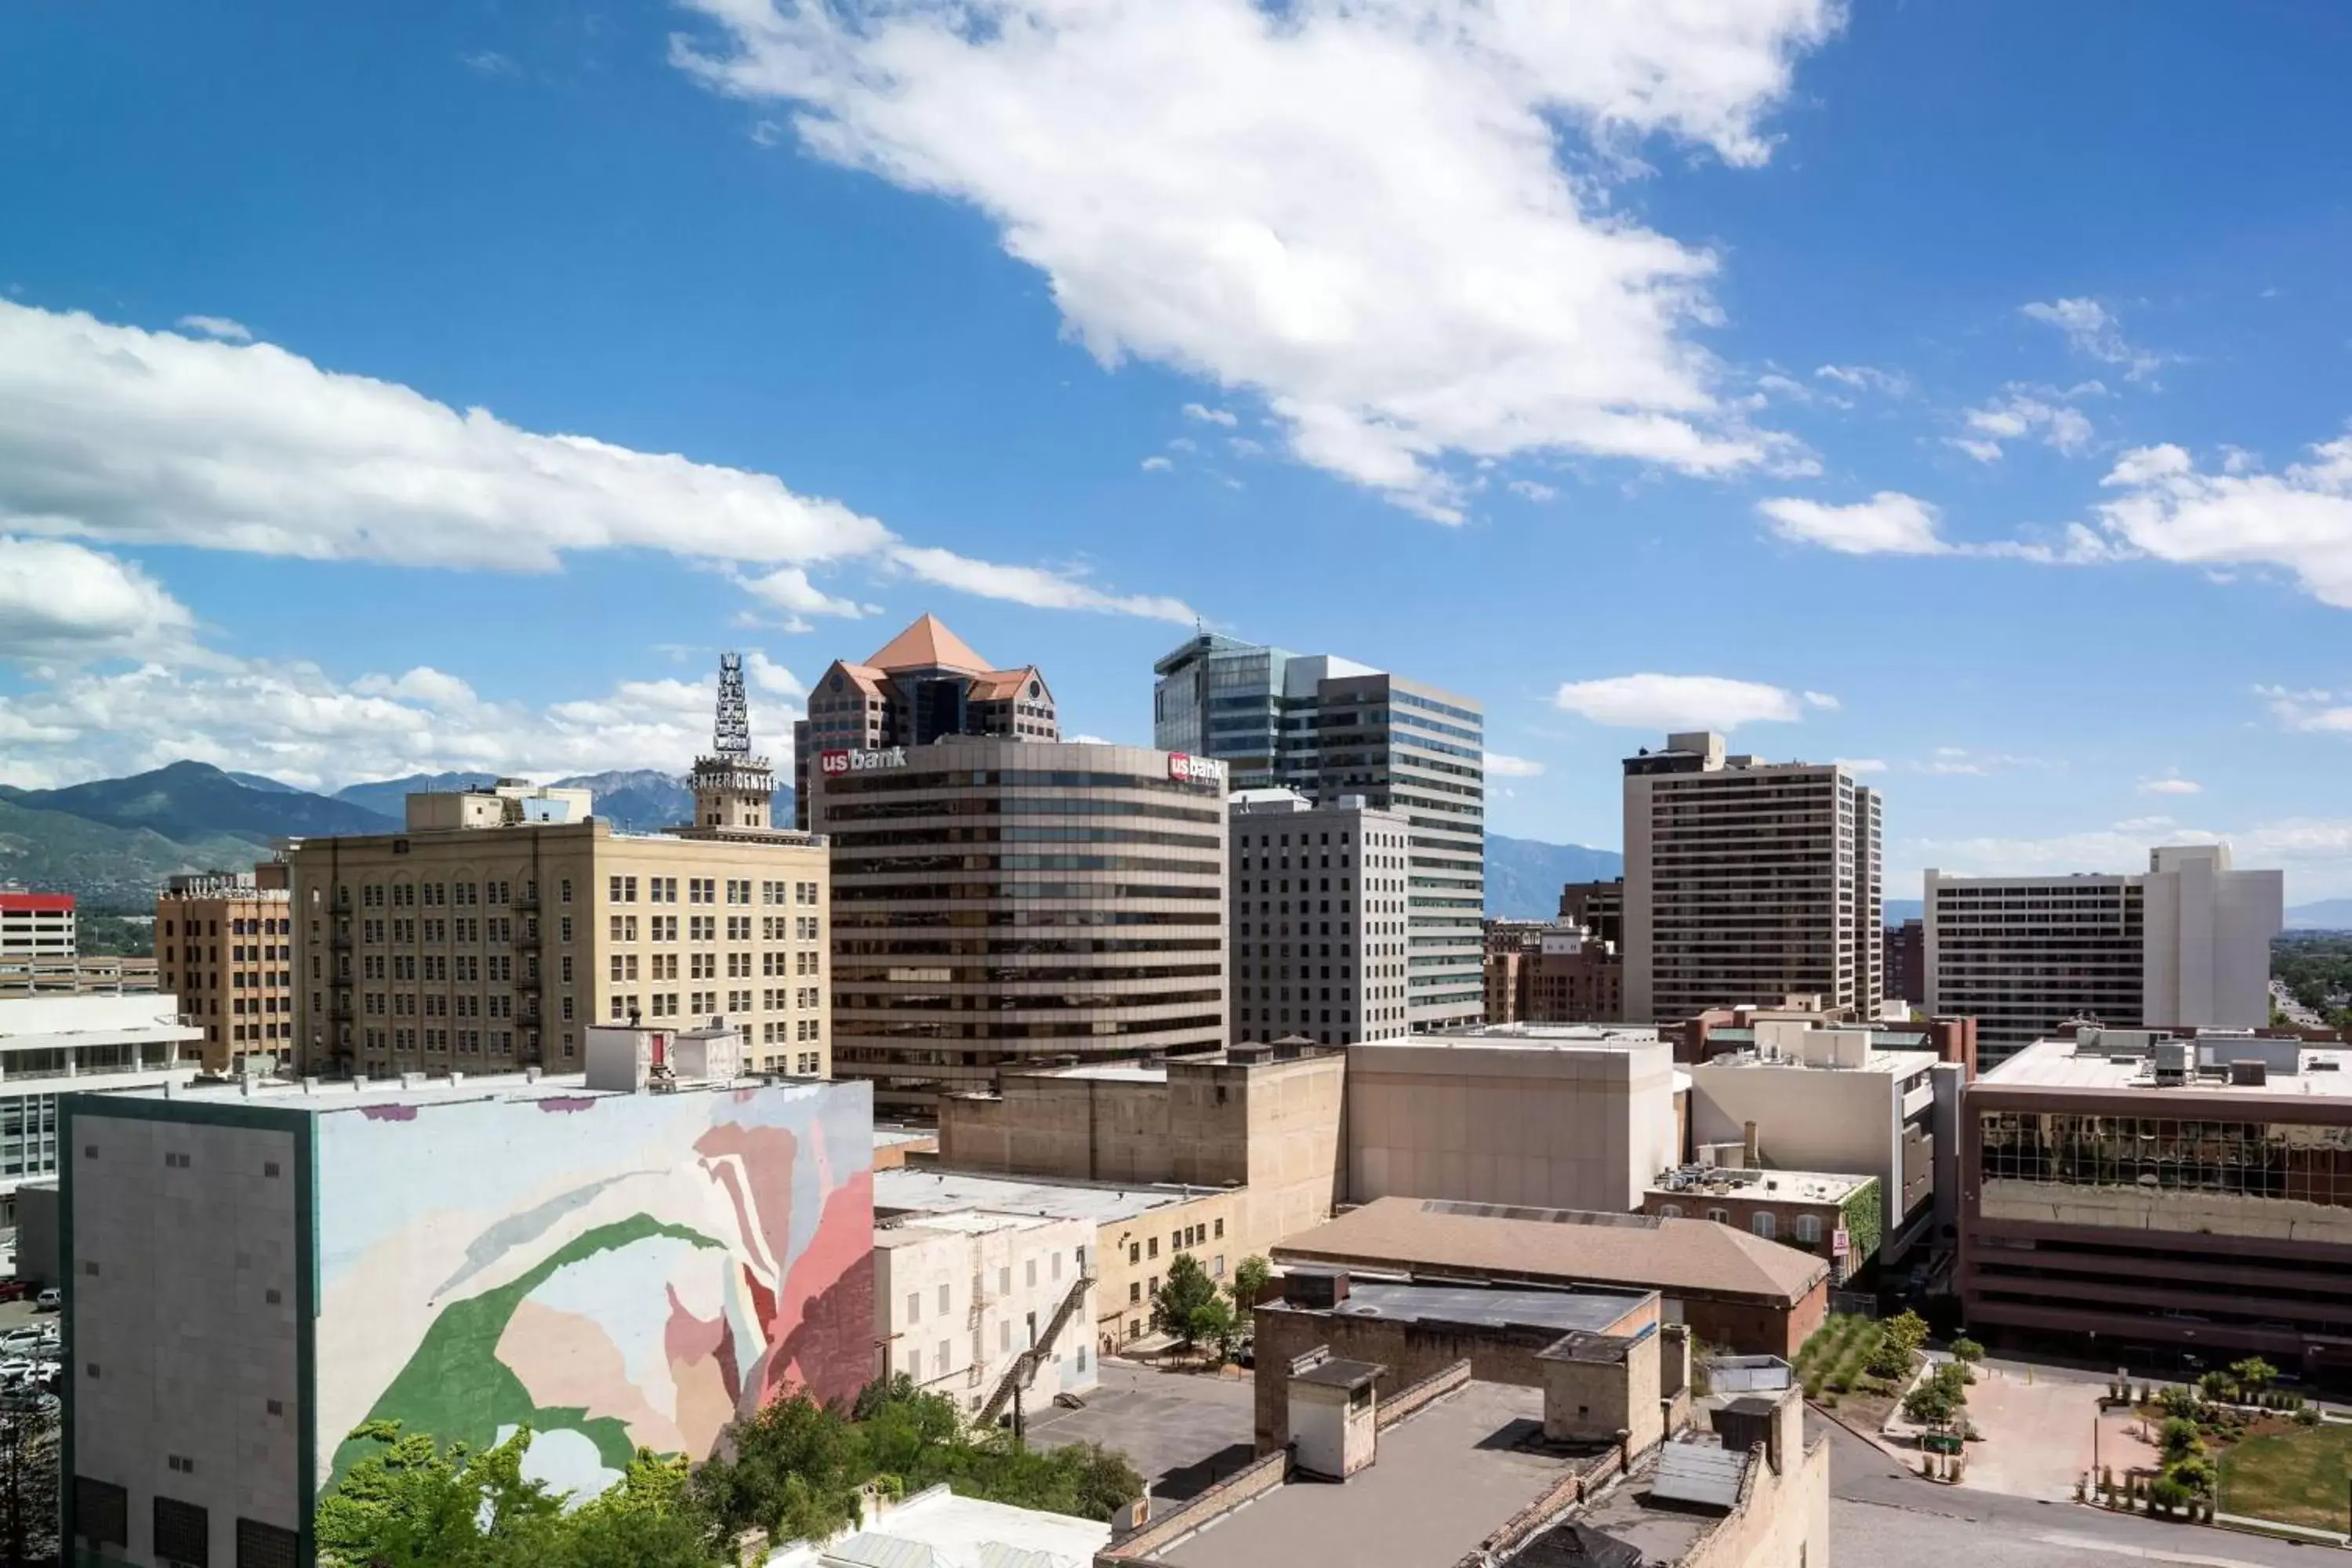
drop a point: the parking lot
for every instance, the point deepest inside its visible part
(1182, 1431)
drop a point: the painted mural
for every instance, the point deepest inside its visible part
(612, 1271)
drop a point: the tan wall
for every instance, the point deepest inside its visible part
(237, 1002)
(1782, 1522)
(2122, 1208)
(1151, 1238)
(1592, 1400)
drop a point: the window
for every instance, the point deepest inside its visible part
(260, 1545)
(914, 1306)
(1670, 1211)
(943, 1301)
(1031, 1271)
(183, 1533)
(1153, 1242)
(1220, 1231)
(1763, 1224)
(1808, 1229)
(914, 1364)
(1720, 1216)
(101, 1512)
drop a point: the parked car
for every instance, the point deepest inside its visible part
(14, 1289)
(18, 1371)
(19, 1342)
(49, 1301)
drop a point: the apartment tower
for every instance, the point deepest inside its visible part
(1330, 728)
(2185, 944)
(504, 920)
(1319, 913)
(224, 945)
(922, 685)
(1748, 882)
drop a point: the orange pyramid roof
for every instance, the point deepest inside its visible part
(927, 643)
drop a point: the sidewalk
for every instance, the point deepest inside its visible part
(2273, 1527)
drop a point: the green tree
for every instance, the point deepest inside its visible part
(1215, 1324)
(1908, 1329)
(647, 1520)
(1186, 1290)
(2178, 1439)
(28, 1486)
(1889, 1359)
(413, 1506)
(2253, 1375)
(1930, 1404)
(793, 1469)
(1251, 1275)
(2167, 1494)
(1967, 1351)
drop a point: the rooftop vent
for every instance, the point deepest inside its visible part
(2249, 1074)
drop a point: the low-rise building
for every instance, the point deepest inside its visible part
(1551, 1116)
(939, 1529)
(1261, 1119)
(1835, 1217)
(1557, 972)
(1729, 1287)
(2188, 1196)
(37, 925)
(55, 1044)
(1836, 1099)
(90, 975)
(253, 1273)
(985, 1308)
(1139, 1229)
(224, 945)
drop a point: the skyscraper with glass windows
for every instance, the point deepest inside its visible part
(1329, 727)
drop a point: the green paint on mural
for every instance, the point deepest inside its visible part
(455, 1388)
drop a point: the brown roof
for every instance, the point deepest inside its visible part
(925, 644)
(999, 684)
(1685, 1255)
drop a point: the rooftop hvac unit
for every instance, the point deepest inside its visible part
(2170, 1061)
(2249, 1074)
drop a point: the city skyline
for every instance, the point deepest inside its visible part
(465, 438)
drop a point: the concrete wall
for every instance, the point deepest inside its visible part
(1782, 1518)
(1133, 1255)
(1510, 1124)
(928, 1279)
(1590, 1400)
(1845, 1123)
(2207, 961)
(37, 1220)
(2128, 1209)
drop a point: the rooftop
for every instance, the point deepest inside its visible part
(925, 1190)
(1790, 1186)
(937, 1529)
(1422, 1236)
(1561, 1311)
(968, 1222)
(1447, 1477)
(1537, 1037)
(326, 1096)
(2107, 1061)
(887, 1136)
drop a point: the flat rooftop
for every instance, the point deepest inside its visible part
(1625, 1513)
(2320, 1071)
(1448, 1476)
(1894, 1063)
(1568, 1311)
(1784, 1186)
(926, 1191)
(968, 1222)
(1530, 1037)
(887, 1136)
(328, 1096)
(938, 1527)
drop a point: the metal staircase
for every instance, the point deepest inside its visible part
(1023, 1370)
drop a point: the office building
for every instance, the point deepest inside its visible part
(503, 921)
(56, 1044)
(996, 901)
(1906, 963)
(986, 1309)
(1545, 1116)
(2179, 1198)
(224, 945)
(2185, 944)
(1850, 1100)
(1598, 907)
(37, 925)
(1330, 728)
(252, 1276)
(1319, 913)
(1258, 1122)
(922, 685)
(1551, 971)
(1747, 880)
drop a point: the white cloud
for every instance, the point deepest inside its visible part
(1677, 702)
(1863, 765)
(1156, 465)
(2313, 712)
(114, 433)
(2093, 331)
(1207, 415)
(2299, 520)
(1959, 762)
(1501, 764)
(2315, 852)
(490, 62)
(220, 327)
(1866, 378)
(1888, 523)
(788, 589)
(2022, 412)
(1032, 586)
(1373, 230)
(62, 601)
(1822, 700)
(1982, 451)
(2170, 784)
(423, 684)
(1533, 491)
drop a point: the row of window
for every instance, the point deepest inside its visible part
(705, 928)
(1806, 1229)
(434, 894)
(705, 890)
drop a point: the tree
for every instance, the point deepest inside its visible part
(792, 1468)
(1889, 1359)
(1186, 1290)
(1251, 1275)
(28, 1484)
(2253, 1375)
(2168, 1494)
(1908, 1329)
(2178, 1439)
(1213, 1323)
(414, 1506)
(1930, 1404)
(1967, 1351)
(645, 1520)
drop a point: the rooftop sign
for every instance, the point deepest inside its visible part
(835, 763)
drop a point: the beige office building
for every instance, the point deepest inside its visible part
(999, 901)
(224, 945)
(1319, 925)
(1748, 882)
(503, 921)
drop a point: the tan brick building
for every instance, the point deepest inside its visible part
(503, 921)
(224, 945)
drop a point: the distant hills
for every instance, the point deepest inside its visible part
(113, 842)
(2328, 914)
(1524, 874)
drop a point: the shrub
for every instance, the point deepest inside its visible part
(1908, 1329)
(1967, 1351)
(2307, 1415)
(2178, 1439)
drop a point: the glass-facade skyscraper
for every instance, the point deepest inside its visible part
(1330, 729)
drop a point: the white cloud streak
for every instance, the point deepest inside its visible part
(1888, 523)
(2299, 522)
(1371, 229)
(61, 601)
(1502, 765)
(219, 327)
(2093, 331)
(1677, 702)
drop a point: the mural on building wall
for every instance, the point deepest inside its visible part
(611, 1271)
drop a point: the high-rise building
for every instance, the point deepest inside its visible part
(1319, 909)
(1599, 908)
(1748, 882)
(1904, 966)
(2185, 944)
(504, 920)
(922, 685)
(997, 900)
(1330, 728)
(36, 925)
(224, 946)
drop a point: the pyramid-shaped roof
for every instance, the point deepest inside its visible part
(925, 644)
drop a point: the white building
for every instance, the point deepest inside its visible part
(1567, 1116)
(937, 1529)
(2184, 945)
(976, 1306)
(55, 1044)
(1747, 880)
(37, 925)
(1837, 1100)
(1319, 913)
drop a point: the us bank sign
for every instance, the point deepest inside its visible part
(837, 762)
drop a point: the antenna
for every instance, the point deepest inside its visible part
(730, 736)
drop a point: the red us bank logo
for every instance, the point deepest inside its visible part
(837, 762)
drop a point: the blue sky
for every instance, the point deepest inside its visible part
(1957, 389)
